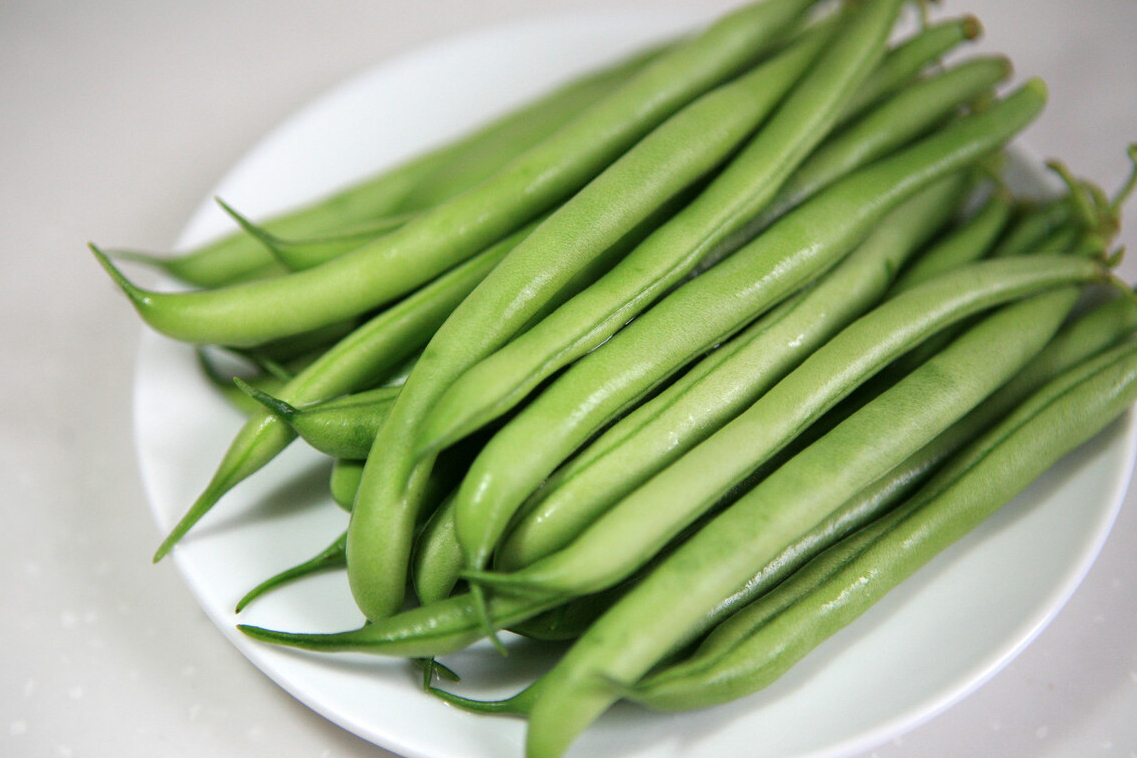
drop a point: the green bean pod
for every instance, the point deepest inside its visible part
(709, 309)
(356, 362)
(343, 427)
(344, 481)
(656, 512)
(502, 380)
(762, 641)
(297, 254)
(417, 183)
(734, 545)
(971, 241)
(448, 233)
(573, 247)
(722, 385)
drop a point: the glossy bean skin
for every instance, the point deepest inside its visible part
(500, 381)
(344, 481)
(652, 515)
(343, 427)
(579, 241)
(712, 307)
(734, 545)
(358, 361)
(722, 385)
(414, 184)
(450, 232)
(762, 641)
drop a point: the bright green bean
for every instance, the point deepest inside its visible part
(343, 427)
(738, 542)
(344, 481)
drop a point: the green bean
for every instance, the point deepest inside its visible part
(417, 183)
(722, 385)
(904, 116)
(344, 481)
(907, 60)
(762, 641)
(739, 541)
(709, 309)
(332, 557)
(446, 234)
(967, 244)
(343, 427)
(358, 361)
(1034, 223)
(437, 557)
(265, 381)
(297, 254)
(500, 381)
(578, 242)
(648, 518)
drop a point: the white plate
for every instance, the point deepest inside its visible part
(925, 646)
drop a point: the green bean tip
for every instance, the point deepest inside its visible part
(972, 27)
(136, 294)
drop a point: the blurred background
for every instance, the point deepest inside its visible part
(116, 120)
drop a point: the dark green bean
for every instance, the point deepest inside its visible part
(332, 557)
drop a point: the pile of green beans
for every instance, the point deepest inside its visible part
(749, 318)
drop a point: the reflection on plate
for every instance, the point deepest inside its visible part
(918, 651)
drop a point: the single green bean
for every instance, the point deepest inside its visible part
(343, 427)
(344, 481)
(332, 557)
(709, 309)
(739, 541)
(446, 234)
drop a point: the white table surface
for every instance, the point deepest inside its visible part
(116, 119)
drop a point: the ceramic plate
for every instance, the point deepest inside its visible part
(926, 645)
